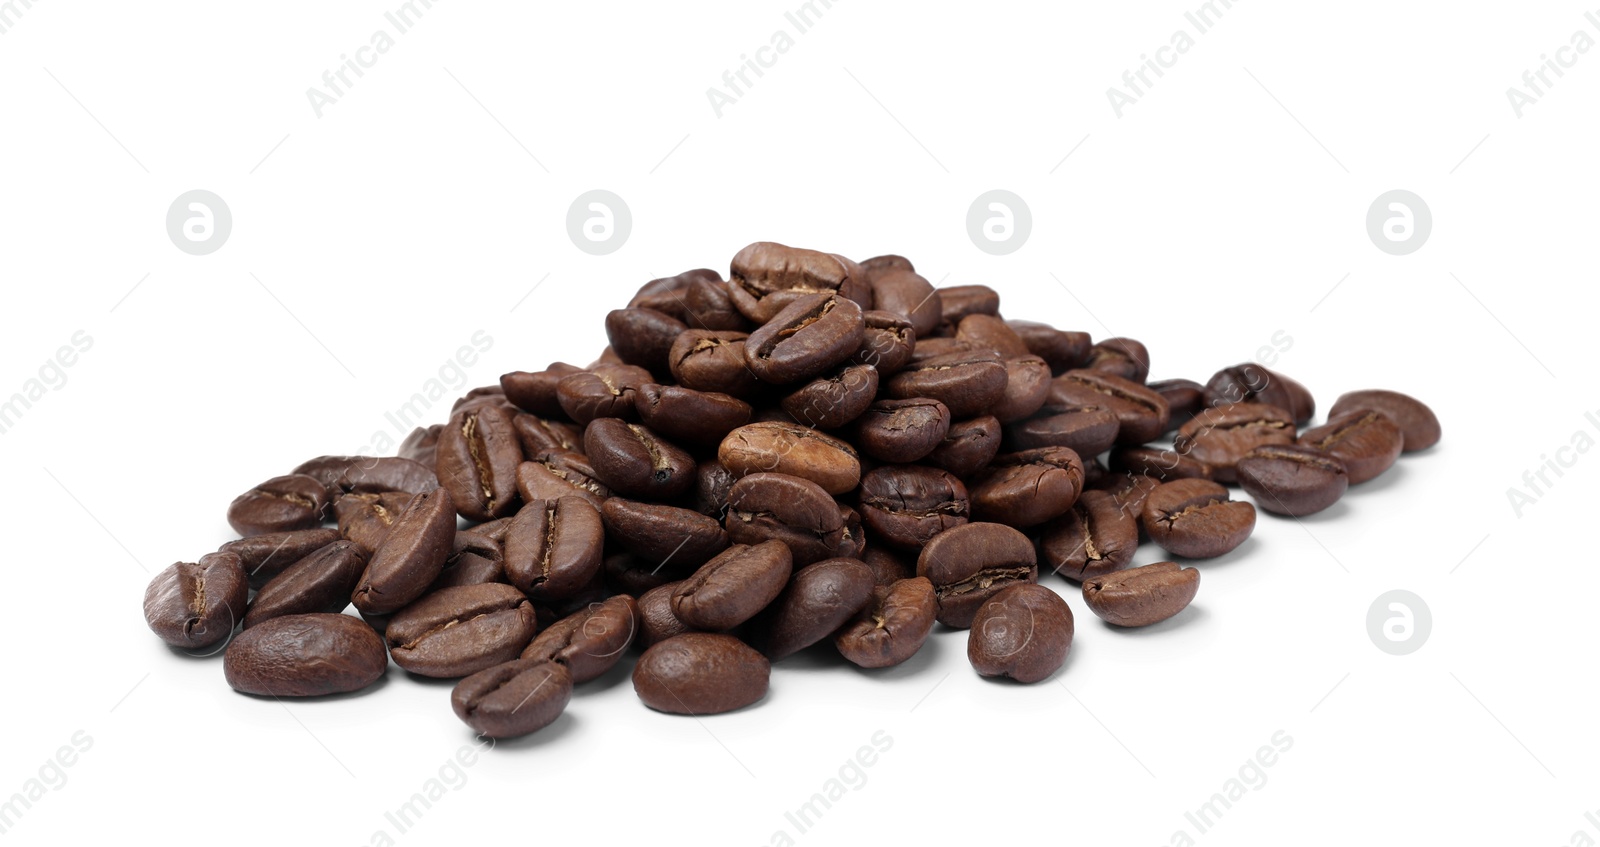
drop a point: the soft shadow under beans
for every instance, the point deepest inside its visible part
(551, 734)
(370, 690)
(1192, 615)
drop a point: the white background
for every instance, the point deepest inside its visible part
(1224, 206)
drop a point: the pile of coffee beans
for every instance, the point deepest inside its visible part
(811, 454)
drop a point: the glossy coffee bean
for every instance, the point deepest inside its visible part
(196, 604)
(657, 622)
(887, 342)
(1142, 596)
(928, 348)
(535, 392)
(1161, 464)
(1027, 488)
(460, 631)
(633, 461)
(892, 626)
(967, 383)
(366, 517)
(1220, 436)
(714, 361)
(411, 555)
(710, 306)
(765, 277)
(344, 474)
(321, 582)
(902, 431)
(968, 447)
(420, 446)
(1287, 479)
(265, 556)
(1096, 538)
(541, 435)
(305, 656)
(886, 565)
(834, 399)
(627, 574)
(1142, 414)
(1366, 440)
(732, 587)
(671, 538)
(989, 332)
(1128, 491)
(591, 641)
(1195, 519)
(473, 559)
(805, 340)
(878, 265)
(668, 294)
(798, 512)
(701, 673)
(643, 337)
(775, 447)
(603, 391)
(1087, 430)
(1027, 388)
(819, 599)
(1022, 632)
(968, 564)
(1062, 350)
(477, 463)
(1419, 427)
(551, 476)
(905, 293)
(514, 698)
(280, 504)
(554, 548)
(1122, 357)
(958, 301)
(1252, 383)
(698, 418)
(907, 505)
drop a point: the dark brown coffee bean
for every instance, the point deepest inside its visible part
(886, 565)
(280, 504)
(554, 547)
(907, 505)
(968, 383)
(667, 294)
(1194, 518)
(1029, 487)
(855, 537)
(808, 338)
(365, 517)
(265, 556)
(958, 301)
(709, 306)
(1087, 430)
(1222, 435)
(482, 397)
(713, 360)
(633, 461)
(194, 605)
(535, 392)
(372, 474)
(700, 418)
(421, 445)
(892, 626)
(819, 599)
(968, 564)
(1366, 440)
(603, 391)
(1419, 427)
(1129, 492)
(1185, 398)
(551, 476)
(512, 699)
(732, 587)
(1158, 463)
(305, 656)
(902, 431)
(643, 337)
(541, 435)
(887, 262)
(989, 332)
(1142, 414)
(1252, 383)
(1287, 479)
(666, 537)
(969, 446)
(1062, 350)
(1027, 388)
(711, 489)
(627, 574)
(887, 342)
(460, 631)
(478, 459)
(657, 623)
(474, 559)
(701, 673)
(831, 401)
(411, 555)
(319, 583)
(798, 512)
(1022, 632)
(773, 447)
(1142, 596)
(589, 642)
(1096, 538)
(928, 348)
(766, 277)
(1123, 357)
(907, 294)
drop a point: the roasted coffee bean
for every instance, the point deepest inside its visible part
(968, 383)
(1419, 427)
(477, 464)
(1029, 487)
(541, 435)
(474, 559)
(902, 431)
(732, 587)
(280, 504)
(878, 265)
(420, 446)
(657, 622)
(1129, 491)
(1096, 538)
(712, 484)
(535, 392)
(666, 295)
(365, 518)
(1366, 440)
(551, 476)
(1194, 518)
(1185, 398)
(928, 348)
(305, 656)
(968, 564)
(372, 474)
(855, 537)
(643, 337)
(1087, 430)
(514, 698)
(792, 449)
(589, 642)
(665, 537)
(1220, 436)
(196, 604)
(460, 631)
(554, 547)
(700, 418)
(907, 505)
(713, 360)
(907, 294)
(958, 301)
(886, 565)
(701, 673)
(1123, 357)
(798, 512)
(892, 626)
(969, 446)
(1252, 383)
(1027, 387)
(1159, 463)
(1022, 632)
(1142, 414)
(633, 461)
(807, 339)
(265, 556)
(1062, 350)
(627, 574)
(989, 332)
(831, 401)
(819, 599)
(710, 307)
(603, 391)
(766, 277)
(481, 397)
(321, 582)
(1287, 479)
(411, 555)
(1142, 596)
(887, 342)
